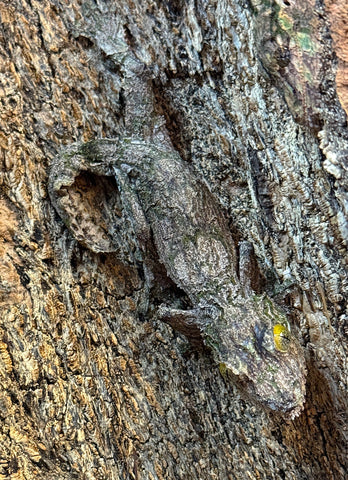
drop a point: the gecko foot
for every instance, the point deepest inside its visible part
(184, 321)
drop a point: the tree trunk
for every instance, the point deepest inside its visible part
(254, 97)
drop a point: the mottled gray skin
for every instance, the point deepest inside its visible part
(167, 205)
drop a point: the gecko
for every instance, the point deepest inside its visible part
(170, 208)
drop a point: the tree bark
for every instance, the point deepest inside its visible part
(254, 97)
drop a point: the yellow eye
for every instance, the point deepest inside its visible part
(281, 335)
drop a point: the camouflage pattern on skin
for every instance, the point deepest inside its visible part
(166, 205)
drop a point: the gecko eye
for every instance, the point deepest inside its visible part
(282, 337)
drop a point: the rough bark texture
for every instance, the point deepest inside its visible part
(91, 386)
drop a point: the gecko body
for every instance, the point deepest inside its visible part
(168, 205)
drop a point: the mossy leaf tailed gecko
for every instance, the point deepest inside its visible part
(164, 200)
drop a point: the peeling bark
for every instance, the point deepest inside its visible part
(93, 386)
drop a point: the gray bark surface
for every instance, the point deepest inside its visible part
(93, 384)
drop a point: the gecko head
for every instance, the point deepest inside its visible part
(259, 347)
(278, 374)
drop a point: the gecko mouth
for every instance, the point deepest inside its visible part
(279, 383)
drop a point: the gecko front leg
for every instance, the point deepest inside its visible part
(184, 321)
(93, 198)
